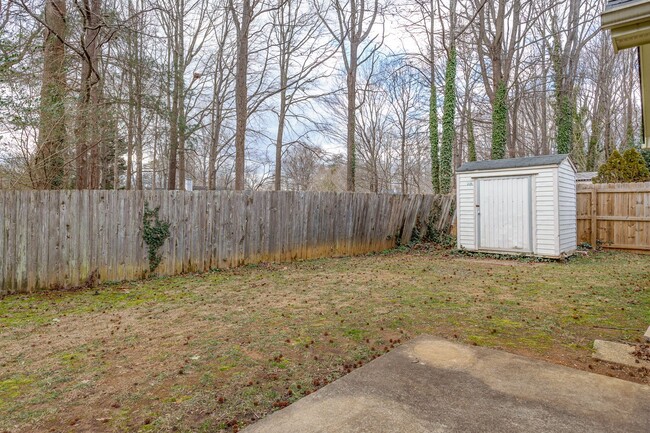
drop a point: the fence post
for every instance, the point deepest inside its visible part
(594, 215)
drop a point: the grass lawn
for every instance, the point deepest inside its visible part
(217, 351)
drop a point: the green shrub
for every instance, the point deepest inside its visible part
(629, 167)
(645, 153)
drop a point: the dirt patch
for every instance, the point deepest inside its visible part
(501, 262)
(642, 352)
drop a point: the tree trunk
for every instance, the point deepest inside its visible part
(241, 95)
(87, 150)
(433, 110)
(181, 137)
(351, 83)
(448, 124)
(217, 116)
(351, 113)
(403, 157)
(174, 116)
(49, 171)
(279, 143)
(279, 140)
(139, 133)
(216, 135)
(95, 133)
(499, 88)
(544, 125)
(130, 127)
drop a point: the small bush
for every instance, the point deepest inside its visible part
(428, 234)
(629, 167)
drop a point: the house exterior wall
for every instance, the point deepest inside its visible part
(629, 26)
(644, 67)
(547, 220)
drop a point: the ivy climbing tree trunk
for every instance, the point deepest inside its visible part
(563, 102)
(433, 108)
(471, 140)
(564, 122)
(500, 122)
(448, 132)
(568, 43)
(579, 127)
(433, 137)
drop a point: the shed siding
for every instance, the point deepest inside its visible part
(466, 213)
(567, 202)
(545, 213)
(553, 187)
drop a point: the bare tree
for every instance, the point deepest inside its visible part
(147, 93)
(301, 165)
(405, 95)
(89, 95)
(355, 20)
(244, 15)
(301, 53)
(375, 134)
(221, 94)
(182, 53)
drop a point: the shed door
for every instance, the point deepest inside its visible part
(504, 214)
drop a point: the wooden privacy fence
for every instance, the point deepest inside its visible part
(55, 239)
(614, 215)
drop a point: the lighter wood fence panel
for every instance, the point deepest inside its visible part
(51, 239)
(615, 216)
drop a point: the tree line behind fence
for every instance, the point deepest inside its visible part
(52, 239)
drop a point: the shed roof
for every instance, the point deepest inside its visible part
(585, 176)
(498, 164)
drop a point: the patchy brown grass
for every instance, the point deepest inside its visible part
(215, 352)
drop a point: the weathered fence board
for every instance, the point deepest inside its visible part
(51, 239)
(615, 216)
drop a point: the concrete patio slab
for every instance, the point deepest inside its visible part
(618, 353)
(434, 385)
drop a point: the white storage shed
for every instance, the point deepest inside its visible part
(518, 206)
